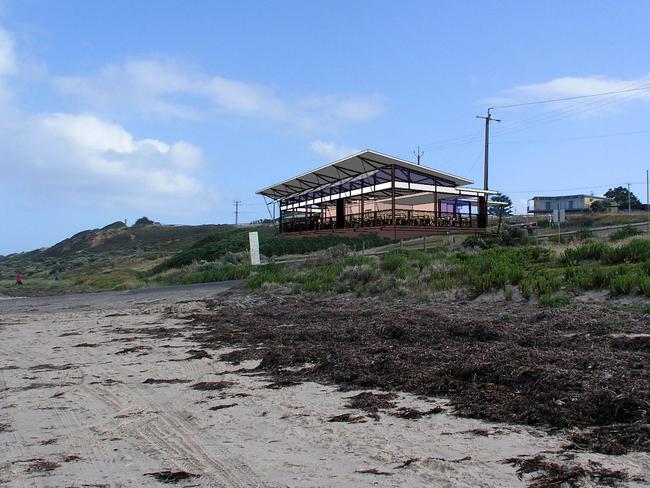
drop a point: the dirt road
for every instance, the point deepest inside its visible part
(109, 390)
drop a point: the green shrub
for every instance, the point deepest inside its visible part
(644, 285)
(645, 267)
(587, 251)
(635, 251)
(392, 261)
(622, 284)
(554, 301)
(270, 273)
(540, 281)
(222, 273)
(477, 241)
(624, 233)
(497, 267)
(587, 277)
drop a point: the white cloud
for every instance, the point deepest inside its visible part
(7, 63)
(165, 88)
(82, 158)
(570, 86)
(330, 151)
(85, 159)
(7, 57)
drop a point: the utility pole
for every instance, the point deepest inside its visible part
(237, 203)
(647, 196)
(487, 119)
(629, 199)
(418, 154)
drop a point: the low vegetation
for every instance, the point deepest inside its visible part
(624, 233)
(533, 271)
(219, 244)
(510, 263)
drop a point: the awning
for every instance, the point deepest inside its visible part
(350, 167)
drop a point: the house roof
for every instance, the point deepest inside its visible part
(350, 167)
(562, 197)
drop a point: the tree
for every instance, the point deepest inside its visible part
(500, 197)
(620, 195)
(143, 221)
(599, 206)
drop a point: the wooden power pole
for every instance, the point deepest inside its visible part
(486, 157)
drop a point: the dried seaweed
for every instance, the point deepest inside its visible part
(172, 476)
(557, 368)
(212, 385)
(157, 381)
(546, 473)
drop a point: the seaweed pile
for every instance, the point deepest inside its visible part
(583, 367)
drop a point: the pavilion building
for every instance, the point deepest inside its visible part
(376, 193)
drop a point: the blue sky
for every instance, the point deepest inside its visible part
(113, 110)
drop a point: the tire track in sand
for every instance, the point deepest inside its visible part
(168, 432)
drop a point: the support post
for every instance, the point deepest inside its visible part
(392, 198)
(482, 212)
(362, 208)
(435, 206)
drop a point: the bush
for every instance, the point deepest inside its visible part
(393, 261)
(624, 233)
(221, 273)
(554, 301)
(497, 267)
(476, 241)
(635, 251)
(540, 281)
(622, 284)
(587, 277)
(270, 273)
(587, 251)
(644, 285)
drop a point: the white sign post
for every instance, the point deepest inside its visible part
(559, 215)
(254, 241)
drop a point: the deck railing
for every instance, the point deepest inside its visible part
(381, 218)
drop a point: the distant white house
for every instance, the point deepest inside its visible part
(568, 203)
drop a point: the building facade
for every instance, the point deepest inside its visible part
(568, 203)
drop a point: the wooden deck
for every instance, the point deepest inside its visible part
(396, 232)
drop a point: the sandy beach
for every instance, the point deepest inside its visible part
(107, 390)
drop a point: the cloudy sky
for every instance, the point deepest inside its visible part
(114, 110)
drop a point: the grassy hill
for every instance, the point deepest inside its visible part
(121, 257)
(115, 254)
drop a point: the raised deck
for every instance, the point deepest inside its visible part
(390, 232)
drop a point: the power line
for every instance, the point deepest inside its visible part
(608, 185)
(552, 116)
(572, 110)
(599, 136)
(577, 97)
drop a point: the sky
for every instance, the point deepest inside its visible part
(173, 110)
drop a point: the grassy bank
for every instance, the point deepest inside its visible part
(532, 271)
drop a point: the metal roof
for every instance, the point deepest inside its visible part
(561, 197)
(349, 167)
